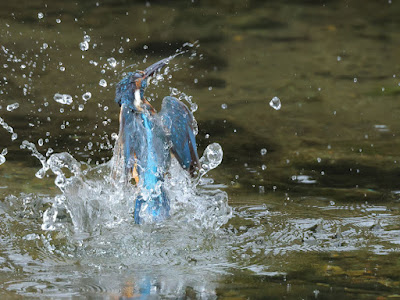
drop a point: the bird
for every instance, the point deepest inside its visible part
(147, 140)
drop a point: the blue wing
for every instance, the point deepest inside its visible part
(177, 120)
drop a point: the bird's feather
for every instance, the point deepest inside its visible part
(177, 121)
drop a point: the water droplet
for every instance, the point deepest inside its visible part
(86, 38)
(355, 79)
(63, 98)
(194, 107)
(86, 96)
(224, 106)
(4, 152)
(319, 159)
(114, 136)
(45, 45)
(62, 69)
(263, 151)
(81, 107)
(58, 21)
(14, 136)
(84, 45)
(212, 156)
(121, 50)
(13, 106)
(275, 103)
(112, 62)
(263, 167)
(339, 58)
(40, 15)
(2, 159)
(103, 83)
(40, 142)
(145, 47)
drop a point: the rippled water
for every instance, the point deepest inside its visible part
(301, 95)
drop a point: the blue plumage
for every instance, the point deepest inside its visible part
(146, 141)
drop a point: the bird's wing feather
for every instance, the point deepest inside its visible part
(126, 146)
(177, 121)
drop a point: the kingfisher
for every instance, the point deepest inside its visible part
(147, 140)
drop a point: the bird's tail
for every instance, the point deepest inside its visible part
(153, 208)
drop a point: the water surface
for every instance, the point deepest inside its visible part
(305, 203)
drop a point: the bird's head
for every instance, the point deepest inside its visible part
(130, 90)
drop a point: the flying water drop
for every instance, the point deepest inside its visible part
(212, 157)
(40, 15)
(112, 62)
(84, 46)
(13, 106)
(275, 103)
(103, 83)
(63, 98)
(2, 156)
(86, 96)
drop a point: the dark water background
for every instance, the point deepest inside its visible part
(316, 217)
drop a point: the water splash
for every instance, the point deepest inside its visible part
(63, 98)
(103, 82)
(86, 96)
(212, 157)
(275, 103)
(3, 156)
(7, 127)
(112, 62)
(13, 106)
(93, 200)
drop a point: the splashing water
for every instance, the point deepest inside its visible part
(86, 96)
(91, 220)
(84, 46)
(93, 201)
(7, 127)
(112, 62)
(13, 106)
(2, 156)
(103, 82)
(275, 103)
(63, 98)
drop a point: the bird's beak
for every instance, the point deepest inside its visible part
(156, 67)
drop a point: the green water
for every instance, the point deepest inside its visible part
(316, 217)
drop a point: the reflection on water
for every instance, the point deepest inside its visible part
(312, 186)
